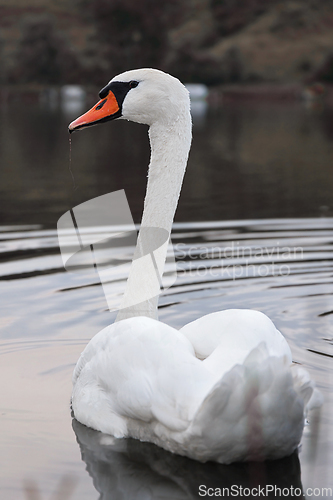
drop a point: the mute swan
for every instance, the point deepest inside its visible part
(222, 388)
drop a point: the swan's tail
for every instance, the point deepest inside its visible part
(306, 388)
(256, 410)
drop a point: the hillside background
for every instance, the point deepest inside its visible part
(54, 42)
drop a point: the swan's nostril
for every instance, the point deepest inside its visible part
(100, 105)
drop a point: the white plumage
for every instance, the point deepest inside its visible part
(222, 388)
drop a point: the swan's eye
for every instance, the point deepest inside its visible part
(133, 84)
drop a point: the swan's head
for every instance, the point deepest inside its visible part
(141, 95)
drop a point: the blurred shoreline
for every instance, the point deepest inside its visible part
(210, 41)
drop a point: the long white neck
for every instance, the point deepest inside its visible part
(170, 144)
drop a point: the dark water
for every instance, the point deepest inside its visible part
(246, 161)
(263, 176)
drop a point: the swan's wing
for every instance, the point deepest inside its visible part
(138, 369)
(254, 410)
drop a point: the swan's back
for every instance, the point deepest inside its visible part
(225, 338)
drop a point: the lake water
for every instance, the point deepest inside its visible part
(254, 229)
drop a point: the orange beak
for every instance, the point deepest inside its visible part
(106, 109)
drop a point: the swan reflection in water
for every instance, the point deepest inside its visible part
(127, 469)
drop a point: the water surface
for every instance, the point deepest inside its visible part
(48, 316)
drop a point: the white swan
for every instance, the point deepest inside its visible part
(222, 388)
